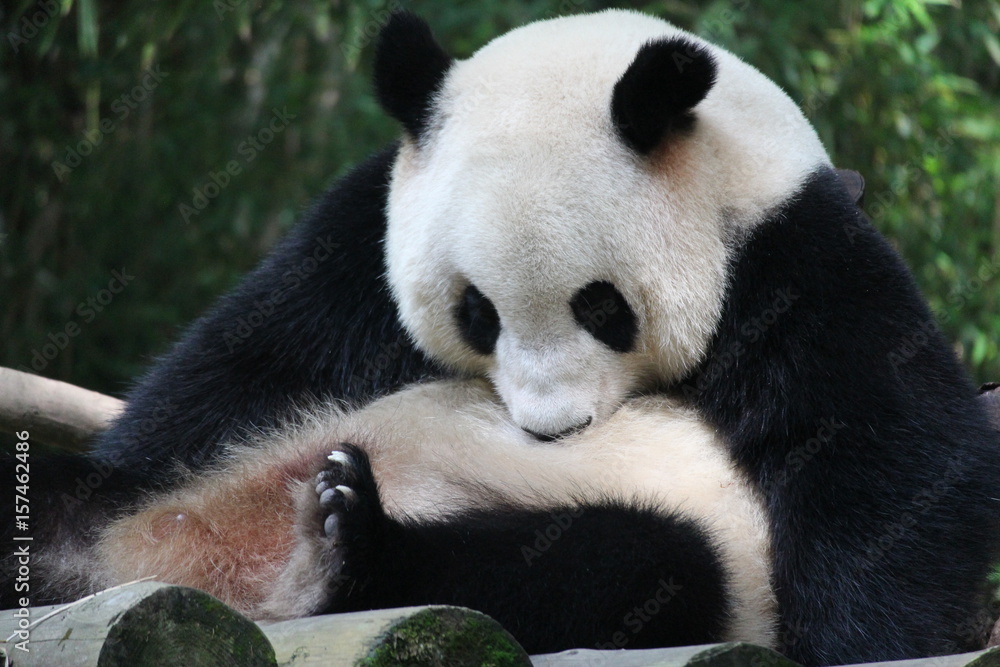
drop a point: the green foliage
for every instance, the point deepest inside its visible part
(165, 98)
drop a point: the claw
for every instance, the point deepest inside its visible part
(349, 495)
(343, 458)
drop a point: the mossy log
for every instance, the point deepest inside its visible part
(136, 625)
(146, 624)
(143, 624)
(424, 636)
(715, 655)
(987, 658)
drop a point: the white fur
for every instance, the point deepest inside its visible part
(523, 188)
(442, 446)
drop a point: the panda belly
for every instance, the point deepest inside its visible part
(246, 532)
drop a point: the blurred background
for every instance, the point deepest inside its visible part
(150, 153)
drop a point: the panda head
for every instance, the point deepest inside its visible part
(565, 203)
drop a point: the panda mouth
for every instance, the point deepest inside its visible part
(552, 437)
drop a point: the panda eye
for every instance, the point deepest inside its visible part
(603, 311)
(478, 321)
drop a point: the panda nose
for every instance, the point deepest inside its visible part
(549, 437)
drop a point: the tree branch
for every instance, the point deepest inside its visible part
(54, 413)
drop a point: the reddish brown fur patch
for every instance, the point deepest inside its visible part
(229, 534)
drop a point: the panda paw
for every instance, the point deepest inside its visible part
(340, 529)
(349, 511)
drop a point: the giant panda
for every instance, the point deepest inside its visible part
(598, 216)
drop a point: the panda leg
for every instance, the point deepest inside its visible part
(69, 498)
(603, 575)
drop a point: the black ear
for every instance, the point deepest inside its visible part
(658, 90)
(855, 184)
(409, 68)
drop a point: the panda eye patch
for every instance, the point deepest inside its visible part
(602, 310)
(478, 321)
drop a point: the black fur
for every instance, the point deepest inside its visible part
(655, 95)
(847, 407)
(602, 310)
(478, 321)
(314, 321)
(608, 575)
(409, 68)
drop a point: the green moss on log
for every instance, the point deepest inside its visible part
(184, 626)
(990, 658)
(739, 655)
(446, 637)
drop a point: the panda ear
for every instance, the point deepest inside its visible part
(855, 184)
(655, 96)
(409, 68)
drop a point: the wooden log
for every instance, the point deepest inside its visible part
(53, 412)
(661, 657)
(740, 654)
(735, 654)
(149, 623)
(425, 636)
(156, 624)
(136, 625)
(987, 658)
